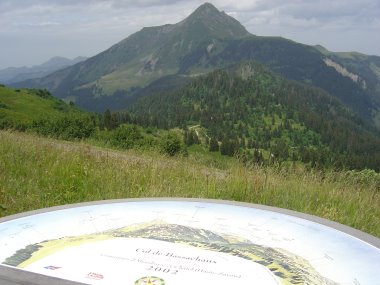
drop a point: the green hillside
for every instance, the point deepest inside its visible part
(253, 112)
(243, 111)
(369, 69)
(355, 86)
(19, 108)
(38, 111)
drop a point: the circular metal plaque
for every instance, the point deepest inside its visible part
(182, 241)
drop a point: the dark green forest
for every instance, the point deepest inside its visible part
(250, 111)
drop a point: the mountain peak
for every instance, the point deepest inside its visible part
(208, 18)
(206, 9)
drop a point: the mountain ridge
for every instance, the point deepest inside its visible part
(17, 74)
(206, 40)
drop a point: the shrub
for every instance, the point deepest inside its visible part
(68, 127)
(171, 144)
(214, 146)
(5, 123)
(367, 177)
(125, 136)
(43, 93)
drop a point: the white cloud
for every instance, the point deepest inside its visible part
(37, 24)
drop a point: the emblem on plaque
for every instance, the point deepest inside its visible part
(150, 280)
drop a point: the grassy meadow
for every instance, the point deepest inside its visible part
(20, 107)
(39, 172)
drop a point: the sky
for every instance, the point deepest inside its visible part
(32, 31)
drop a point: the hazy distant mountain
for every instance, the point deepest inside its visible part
(206, 40)
(17, 74)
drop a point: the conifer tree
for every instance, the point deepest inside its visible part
(214, 146)
(107, 119)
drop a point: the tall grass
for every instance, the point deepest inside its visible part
(38, 172)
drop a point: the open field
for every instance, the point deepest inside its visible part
(38, 172)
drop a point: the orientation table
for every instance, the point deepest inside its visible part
(182, 241)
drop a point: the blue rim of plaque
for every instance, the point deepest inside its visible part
(14, 276)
